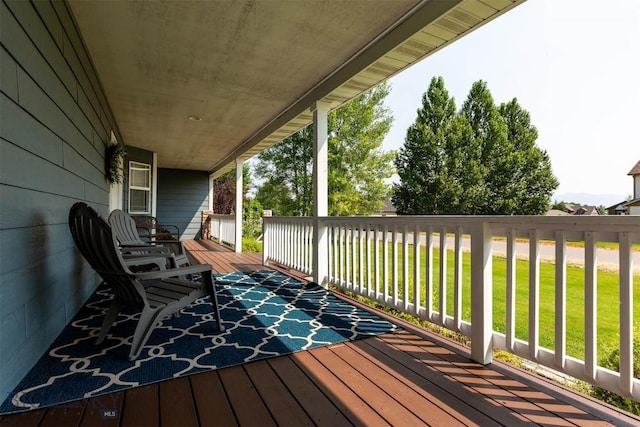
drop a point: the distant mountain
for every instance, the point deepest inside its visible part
(590, 199)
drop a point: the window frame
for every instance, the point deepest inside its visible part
(144, 167)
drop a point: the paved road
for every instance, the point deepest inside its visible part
(607, 258)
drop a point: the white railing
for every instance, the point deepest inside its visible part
(223, 228)
(289, 242)
(441, 269)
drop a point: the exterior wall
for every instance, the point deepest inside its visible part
(54, 127)
(634, 210)
(636, 187)
(182, 196)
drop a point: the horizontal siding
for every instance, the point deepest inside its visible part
(182, 196)
(54, 127)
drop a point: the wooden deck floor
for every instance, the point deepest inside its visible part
(409, 378)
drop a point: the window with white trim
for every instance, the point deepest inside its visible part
(139, 188)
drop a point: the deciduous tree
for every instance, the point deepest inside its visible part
(224, 190)
(287, 169)
(358, 167)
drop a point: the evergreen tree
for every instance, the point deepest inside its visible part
(531, 180)
(430, 164)
(481, 160)
(492, 145)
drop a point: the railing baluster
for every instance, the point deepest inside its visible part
(368, 234)
(309, 256)
(385, 264)
(534, 294)
(510, 326)
(348, 231)
(354, 258)
(405, 267)
(376, 261)
(295, 242)
(361, 278)
(590, 309)
(343, 281)
(416, 269)
(394, 266)
(457, 280)
(443, 276)
(428, 260)
(294, 245)
(561, 299)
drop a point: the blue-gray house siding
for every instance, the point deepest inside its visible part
(182, 196)
(54, 126)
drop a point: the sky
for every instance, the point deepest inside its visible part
(574, 65)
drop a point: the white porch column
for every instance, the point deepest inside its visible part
(210, 194)
(320, 192)
(238, 237)
(481, 294)
(154, 184)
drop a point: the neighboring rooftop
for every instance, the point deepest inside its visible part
(572, 209)
(635, 170)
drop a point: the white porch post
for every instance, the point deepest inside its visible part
(320, 192)
(481, 294)
(154, 184)
(210, 194)
(238, 237)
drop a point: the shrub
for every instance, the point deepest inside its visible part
(612, 361)
(252, 226)
(250, 245)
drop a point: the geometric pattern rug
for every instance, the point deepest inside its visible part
(265, 314)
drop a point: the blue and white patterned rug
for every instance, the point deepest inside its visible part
(265, 314)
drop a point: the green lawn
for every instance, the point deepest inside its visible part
(607, 302)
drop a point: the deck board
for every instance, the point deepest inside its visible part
(404, 369)
(141, 406)
(281, 403)
(246, 402)
(211, 400)
(415, 402)
(378, 393)
(95, 414)
(311, 398)
(350, 403)
(411, 377)
(177, 406)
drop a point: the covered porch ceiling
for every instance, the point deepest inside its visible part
(251, 69)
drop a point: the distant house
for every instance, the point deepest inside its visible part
(629, 207)
(634, 204)
(618, 209)
(586, 210)
(572, 209)
(556, 212)
(387, 210)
